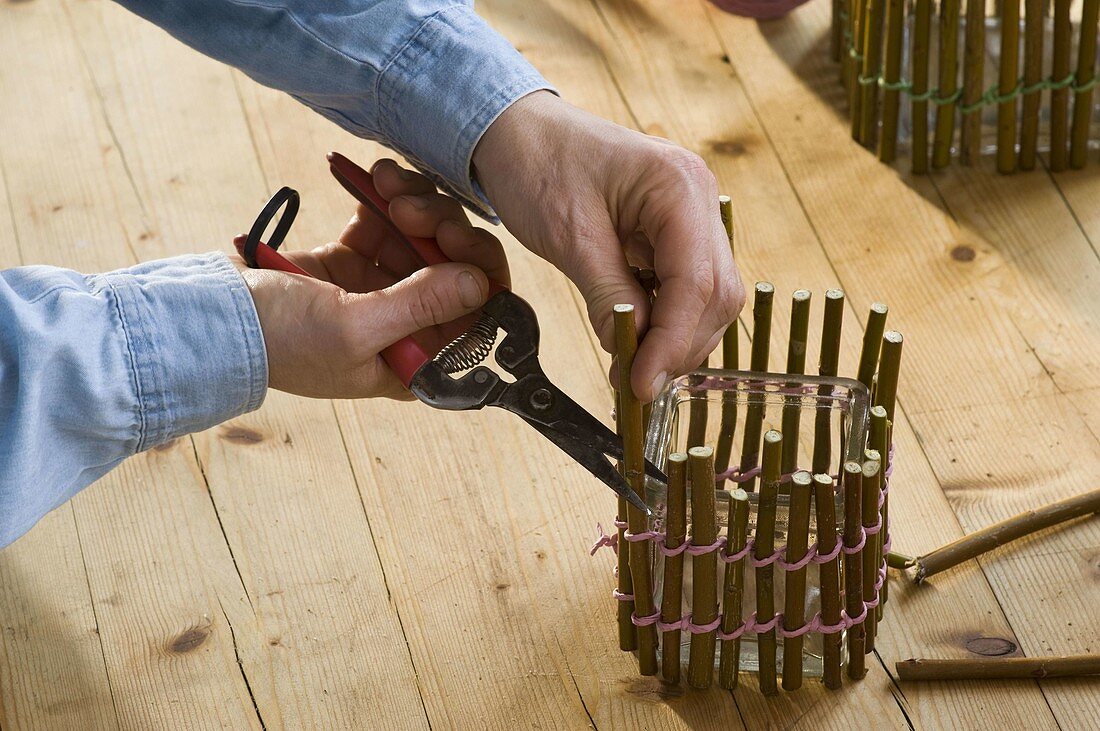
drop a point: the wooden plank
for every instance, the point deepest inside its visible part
(59, 203)
(974, 375)
(316, 635)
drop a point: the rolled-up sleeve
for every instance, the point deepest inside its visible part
(424, 77)
(95, 368)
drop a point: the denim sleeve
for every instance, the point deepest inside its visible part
(424, 77)
(95, 368)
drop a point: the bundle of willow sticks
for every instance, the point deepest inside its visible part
(823, 484)
(1010, 67)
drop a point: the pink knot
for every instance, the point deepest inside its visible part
(604, 540)
(645, 621)
(619, 596)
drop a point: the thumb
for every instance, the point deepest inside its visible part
(431, 296)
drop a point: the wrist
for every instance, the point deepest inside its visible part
(519, 130)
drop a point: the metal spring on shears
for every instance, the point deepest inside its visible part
(469, 348)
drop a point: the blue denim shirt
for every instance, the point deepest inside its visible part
(95, 368)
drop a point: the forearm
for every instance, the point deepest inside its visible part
(96, 368)
(424, 77)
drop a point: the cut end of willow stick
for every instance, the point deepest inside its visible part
(900, 561)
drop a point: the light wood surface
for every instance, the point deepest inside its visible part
(285, 569)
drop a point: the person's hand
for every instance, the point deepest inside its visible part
(324, 335)
(594, 198)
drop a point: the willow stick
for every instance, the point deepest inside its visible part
(728, 425)
(872, 340)
(697, 412)
(900, 561)
(886, 388)
(630, 420)
(673, 583)
(868, 83)
(973, 81)
(1059, 97)
(763, 547)
(891, 75)
(1033, 74)
(704, 566)
(998, 534)
(794, 605)
(828, 576)
(853, 566)
(737, 528)
(872, 552)
(828, 365)
(879, 441)
(796, 365)
(948, 83)
(836, 32)
(758, 362)
(1006, 668)
(628, 633)
(1006, 85)
(922, 31)
(1086, 70)
(854, 63)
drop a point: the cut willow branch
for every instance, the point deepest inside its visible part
(853, 566)
(891, 74)
(704, 566)
(949, 82)
(872, 340)
(728, 426)
(973, 79)
(737, 528)
(1003, 668)
(763, 547)
(998, 534)
(630, 420)
(1010, 69)
(879, 442)
(754, 413)
(872, 53)
(828, 365)
(794, 607)
(829, 576)
(886, 388)
(922, 30)
(672, 588)
(796, 364)
(872, 551)
(1033, 74)
(1086, 70)
(1059, 98)
(628, 633)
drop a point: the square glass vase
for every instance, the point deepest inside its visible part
(824, 423)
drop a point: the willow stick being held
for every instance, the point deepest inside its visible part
(1010, 69)
(1007, 668)
(628, 633)
(998, 534)
(853, 566)
(704, 566)
(673, 583)
(763, 547)
(1086, 71)
(922, 31)
(737, 528)
(630, 421)
(1059, 97)
(948, 83)
(891, 74)
(828, 577)
(973, 82)
(728, 426)
(794, 605)
(1033, 74)
(758, 362)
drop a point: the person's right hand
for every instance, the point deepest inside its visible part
(324, 336)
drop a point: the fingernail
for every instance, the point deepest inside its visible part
(469, 291)
(658, 384)
(416, 201)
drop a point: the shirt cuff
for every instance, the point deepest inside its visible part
(194, 342)
(443, 89)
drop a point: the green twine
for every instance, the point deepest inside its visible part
(992, 95)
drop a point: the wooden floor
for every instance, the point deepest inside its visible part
(297, 568)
